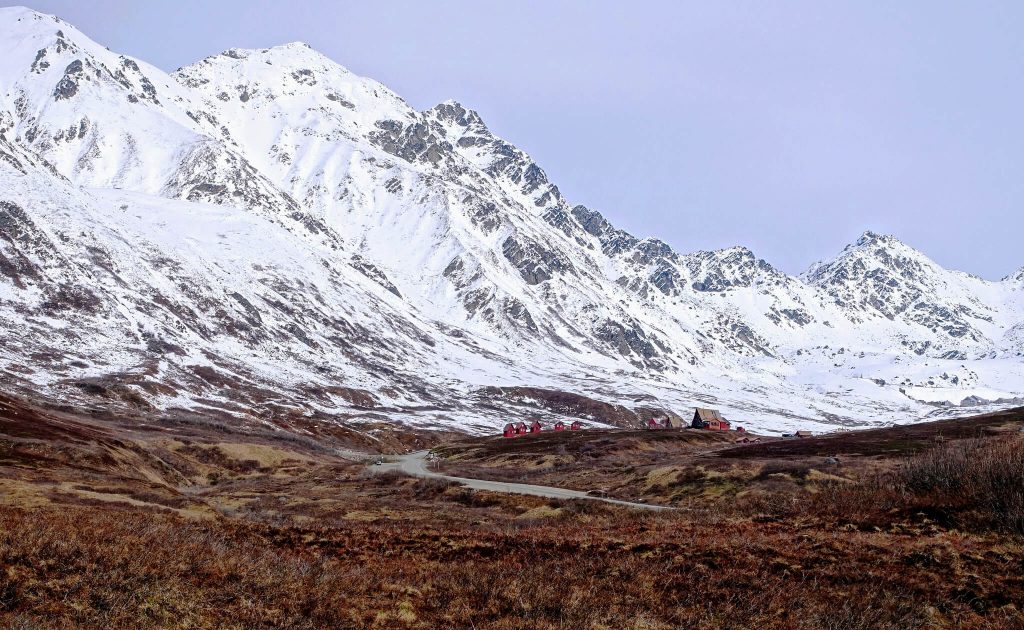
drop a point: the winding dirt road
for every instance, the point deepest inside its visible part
(416, 464)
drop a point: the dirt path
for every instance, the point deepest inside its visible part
(415, 464)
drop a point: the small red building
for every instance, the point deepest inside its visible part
(559, 426)
(576, 425)
(535, 427)
(804, 434)
(653, 424)
(510, 431)
(521, 429)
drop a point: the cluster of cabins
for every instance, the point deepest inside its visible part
(703, 418)
(709, 419)
(520, 428)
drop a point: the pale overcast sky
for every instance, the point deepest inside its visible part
(789, 127)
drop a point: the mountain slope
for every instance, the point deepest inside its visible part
(265, 233)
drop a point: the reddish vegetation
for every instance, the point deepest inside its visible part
(104, 527)
(105, 569)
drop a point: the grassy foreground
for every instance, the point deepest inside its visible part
(229, 533)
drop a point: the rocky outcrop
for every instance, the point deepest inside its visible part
(415, 142)
(533, 262)
(573, 405)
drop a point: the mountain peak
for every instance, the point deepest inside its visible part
(32, 28)
(871, 251)
(16, 13)
(288, 72)
(289, 54)
(292, 46)
(455, 113)
(874, 238)
(736, 250)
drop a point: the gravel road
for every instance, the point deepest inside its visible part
(416, 464)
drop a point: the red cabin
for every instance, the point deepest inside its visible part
(653, 424)
(576, 425)
(709, 419)
(521, 429)
(740, 430)
(510, 431)
(559, 426)
(535, 427)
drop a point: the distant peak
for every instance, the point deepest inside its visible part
(293, 46)
(739, 250)
(23, 18)
(22, 11)
(735, 255)
(874, 244)
(869, 237)
(292, 53)
(452, 111)
(873, 251)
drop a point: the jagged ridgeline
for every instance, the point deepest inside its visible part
(265, 235)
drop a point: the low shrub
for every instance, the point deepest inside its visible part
(798, 470)
(975, 484)
(430, 487)
(981, 476)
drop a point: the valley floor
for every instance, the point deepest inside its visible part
(185, 525)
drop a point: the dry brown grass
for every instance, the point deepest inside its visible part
(129, 569)
(99, 530)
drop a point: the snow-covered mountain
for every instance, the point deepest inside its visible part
(266, 235)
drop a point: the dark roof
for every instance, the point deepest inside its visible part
(708, 415)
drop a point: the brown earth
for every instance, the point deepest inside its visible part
(110, 522)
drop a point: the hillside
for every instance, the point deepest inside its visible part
(694, 467)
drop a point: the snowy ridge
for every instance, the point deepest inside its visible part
(266, 231)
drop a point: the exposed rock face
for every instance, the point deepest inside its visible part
(612, 241)
(576, 406)
(412, 143)
(629, 339)
(67, 87)
(735, 267)
(533, 262)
